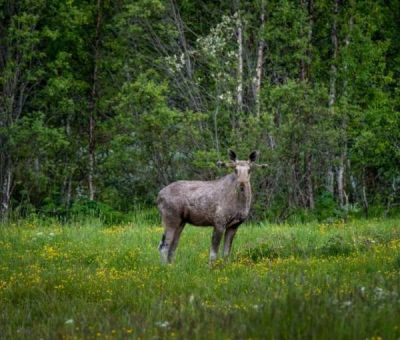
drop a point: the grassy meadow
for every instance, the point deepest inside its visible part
(311, 281)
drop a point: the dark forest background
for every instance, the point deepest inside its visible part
(104, 102)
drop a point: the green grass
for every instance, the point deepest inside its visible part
(336, 281)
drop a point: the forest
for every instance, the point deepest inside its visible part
(103, 103)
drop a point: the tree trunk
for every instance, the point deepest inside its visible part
(67, 191)
(91, 157)
(93, 107)
(260, 60)
(239, 88)
(347, 44)
(364, 196)
(6, 189)
(333, 73)
(340, 181)
(332, 102)
(340, 176)
(67, 183)
(304, 65)
(343, 197)
(185, 78)
(182, 38)
(330, 181)
(310, 186)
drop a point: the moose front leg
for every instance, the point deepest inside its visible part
(229, 235)
(216, 240)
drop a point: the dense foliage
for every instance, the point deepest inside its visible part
(108, 101)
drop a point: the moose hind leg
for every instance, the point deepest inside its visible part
(165, 244)
(171, 225)
(162, 242)
(175, 241)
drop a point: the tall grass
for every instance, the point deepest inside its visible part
(85, 280)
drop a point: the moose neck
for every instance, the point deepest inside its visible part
(244, 195)
(241, 193)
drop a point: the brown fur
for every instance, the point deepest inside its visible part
(223, 204)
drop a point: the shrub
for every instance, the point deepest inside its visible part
(262, 251)
(86, 208)
(335, 246)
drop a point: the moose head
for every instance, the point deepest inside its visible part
(242, 168)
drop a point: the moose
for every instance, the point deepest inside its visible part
(223, 204)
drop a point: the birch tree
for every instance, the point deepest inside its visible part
(20, 74)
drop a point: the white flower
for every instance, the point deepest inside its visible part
(162, 324)
(379, 293)
(182, 58)
(347, 304)
(69, 322)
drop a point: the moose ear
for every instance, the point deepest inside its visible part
(253, 156)
(232, 155)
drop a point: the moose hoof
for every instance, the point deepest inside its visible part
(164, 256)
(213, 257)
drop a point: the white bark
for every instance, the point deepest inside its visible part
(310, 186)
(91, 176)
(92, 107)
(260, 59)
(333, 75)
(332, 102)
(340, 182)
(343, 197)
(330, 179)
(364, 197)
(6, 191)
(68, 193)
(239, 88)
